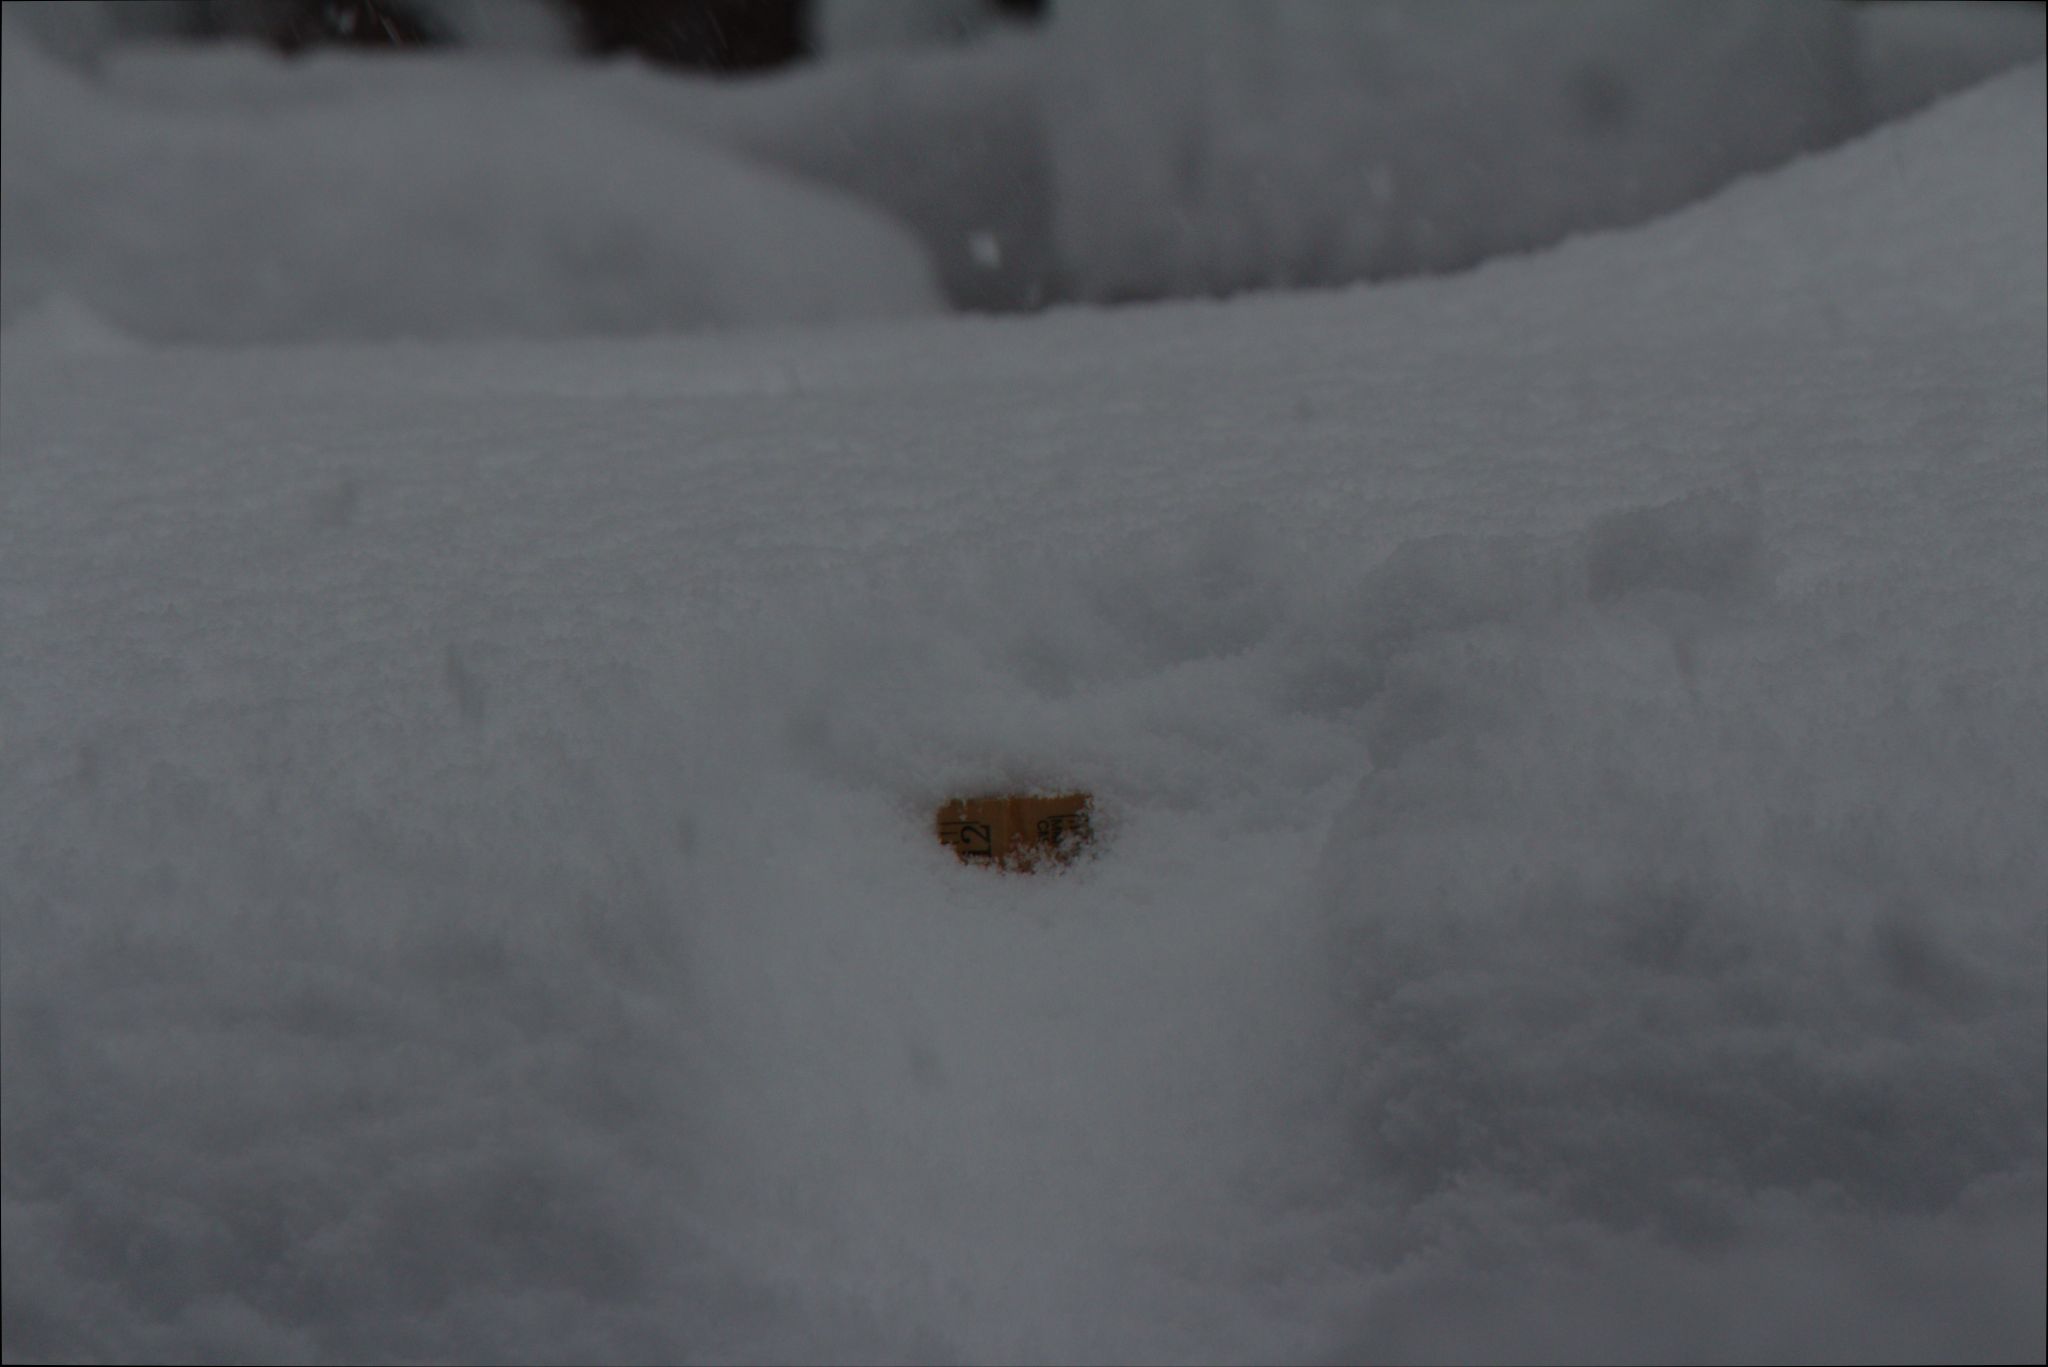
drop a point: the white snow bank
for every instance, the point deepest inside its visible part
(1569, 751)
(947, 143)
(476, 204)
(1126, 150)
(1221, 146)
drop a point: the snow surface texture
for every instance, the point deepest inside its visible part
(1127, 151)
(1571, 751)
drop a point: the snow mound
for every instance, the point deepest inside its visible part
(471, 205)
(1569, 752)
(1123, 151)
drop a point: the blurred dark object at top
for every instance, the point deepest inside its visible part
(699, 35)
(703, 35)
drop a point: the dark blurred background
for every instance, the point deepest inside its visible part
(714, 36)
(717, 36)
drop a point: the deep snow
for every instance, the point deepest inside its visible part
(1233, 145)
(1570, 747)
(223, 195)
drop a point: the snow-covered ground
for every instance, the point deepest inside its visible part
(1571, 742)
(226, 196)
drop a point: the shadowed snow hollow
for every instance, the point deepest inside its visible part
(1223, 146)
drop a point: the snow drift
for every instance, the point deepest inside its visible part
(1569, 752)
(476, 204)
(1129, 151)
